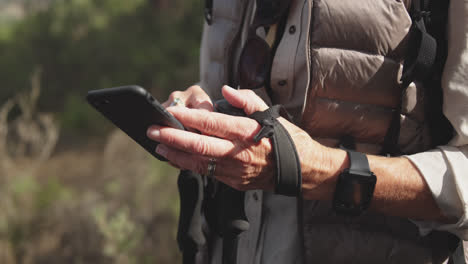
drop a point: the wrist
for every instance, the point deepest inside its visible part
(321, 172)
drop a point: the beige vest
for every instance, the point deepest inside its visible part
(338, 75)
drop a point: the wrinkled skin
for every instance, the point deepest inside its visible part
(245, 165)
(240, 162)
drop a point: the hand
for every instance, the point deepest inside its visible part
(245, 165)
(240, 162)
(194, 97)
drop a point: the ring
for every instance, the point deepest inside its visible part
(211, 168)
(177, 102)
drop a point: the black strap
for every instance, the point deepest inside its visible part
(288, 178)
(424, 62)
(358, 163)
(358, 174)
(224, 206)
(458, 256)
(190, 236)
(209, 11)
(436, 24)
(419, 63)
(421, 53)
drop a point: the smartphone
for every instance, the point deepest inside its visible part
(133, 110)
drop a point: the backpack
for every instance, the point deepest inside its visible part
(424, 62)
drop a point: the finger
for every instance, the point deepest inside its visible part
(198, 98)
(191, 142)
(176, 94)
(197, 164)
(244, 99)
(184, 160)
(198, 102)
(217, 124)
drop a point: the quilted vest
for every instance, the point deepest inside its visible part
(340, 77)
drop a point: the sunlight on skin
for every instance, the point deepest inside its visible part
(246, 165)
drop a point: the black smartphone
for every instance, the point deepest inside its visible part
(133, 110)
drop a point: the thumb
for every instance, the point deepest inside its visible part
(244, 99)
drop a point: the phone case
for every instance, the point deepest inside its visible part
(133, 110)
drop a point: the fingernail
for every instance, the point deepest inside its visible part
(154, 132)
(229, 87)
(161, 150)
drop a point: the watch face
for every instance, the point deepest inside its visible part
(353, 192)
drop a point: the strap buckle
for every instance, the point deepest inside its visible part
(422, 14)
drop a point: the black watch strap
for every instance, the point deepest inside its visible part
(358, 163)
(355, 186)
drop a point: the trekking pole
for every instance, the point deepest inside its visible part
(233, 214)
(235, 223)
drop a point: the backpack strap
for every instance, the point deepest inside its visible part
(418, 65)
(424, 63)
(421, 54)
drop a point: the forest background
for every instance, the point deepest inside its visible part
(73, 189)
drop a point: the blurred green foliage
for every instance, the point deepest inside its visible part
(79, 118)
(52, 220)
(82, 45)
(77, 209)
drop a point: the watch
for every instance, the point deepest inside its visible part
(355, 186)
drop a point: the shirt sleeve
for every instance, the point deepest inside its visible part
(445, 168)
